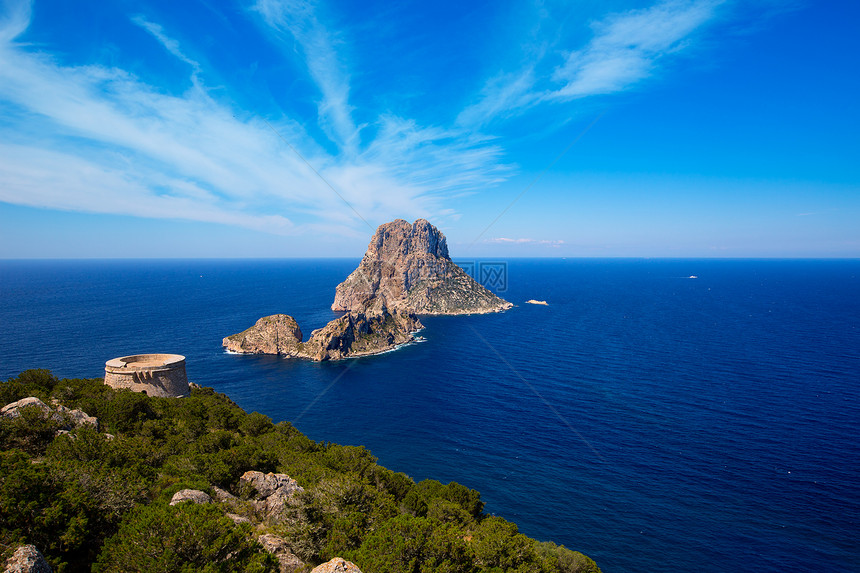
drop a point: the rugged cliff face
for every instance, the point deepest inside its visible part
(276, 334)
(360, 334)
(353, 334)
(407, 268)
(405, 272)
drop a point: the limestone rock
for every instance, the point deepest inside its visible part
(270, 483)
(353, 334)
(277, 546)
(192, 495)
(274, 491)
(337, 565)
(77, 418)
(360, 334)
(13, 410)
(68, 419)
(27, 559)
(223, 496)
(237, 519)
(407, 268)
(275, 334)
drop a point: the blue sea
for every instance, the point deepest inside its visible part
(654, 421)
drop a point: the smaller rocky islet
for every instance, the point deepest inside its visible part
(405, 272)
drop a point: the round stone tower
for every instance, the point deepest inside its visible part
(153, 374)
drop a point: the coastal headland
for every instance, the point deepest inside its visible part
(96, 478)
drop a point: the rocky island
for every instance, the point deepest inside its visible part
(405, 272)
(353, 334)
(407, 267)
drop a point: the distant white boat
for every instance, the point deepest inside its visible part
(693, 277)
(533, 301)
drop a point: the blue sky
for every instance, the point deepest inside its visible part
(280, 128)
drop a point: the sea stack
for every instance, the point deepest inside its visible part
(407, 268)
(405, 272)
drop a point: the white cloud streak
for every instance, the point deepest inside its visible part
(625, 49)
(14, 18)
(169, 44)
(525, 241)
(297, 18)
(40, 178)
(99, 139)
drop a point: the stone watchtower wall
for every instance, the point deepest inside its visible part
(153, 374)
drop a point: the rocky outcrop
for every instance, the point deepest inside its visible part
(27, 559)
(288, 562)
(273, 491)
(192, 495)
(74, 418)
(223, 496)
(337, 565)
(13, 410)
(276, 334)
(360, 334)
(407, 268)
(67, 418)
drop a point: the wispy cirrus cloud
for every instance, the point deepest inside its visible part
(169, 44)
(298, 19)
(103, 125)
(628, 47)
(625, 49)
(100, 139)
(525, 241)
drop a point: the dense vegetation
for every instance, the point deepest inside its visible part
(92, 501)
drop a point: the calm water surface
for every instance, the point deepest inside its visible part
(653, 421)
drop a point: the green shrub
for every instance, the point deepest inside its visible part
(427, 493)
(499, 546)
(255, 424)
(408, 544)
(31, 431)
(182, 538)
(563, 560)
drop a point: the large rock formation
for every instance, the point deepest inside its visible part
(276, 334)
(405, 272)
(353, 334)
(360, 334)
(407, 268)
